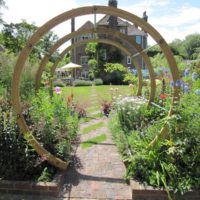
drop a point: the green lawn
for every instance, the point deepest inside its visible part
(93, 141)
(93, 127)
(82, 95)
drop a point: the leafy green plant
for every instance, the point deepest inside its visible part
(53, 123)
(133, 113)
(82, 83)
(98, 81)
(173, 164)
(45, 176)
(18, 160)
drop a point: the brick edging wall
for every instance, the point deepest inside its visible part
(141, 192)
(32, 188)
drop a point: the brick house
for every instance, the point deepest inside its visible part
(79, 56)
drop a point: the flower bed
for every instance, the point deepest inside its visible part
(33, 188)
(173, 163)
(54, 125)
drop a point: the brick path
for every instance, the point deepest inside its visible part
(97, 172)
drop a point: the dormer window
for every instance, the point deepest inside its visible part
(122, 30)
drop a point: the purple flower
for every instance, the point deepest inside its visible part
(182, 85)
(186, 88)
(57, 90)
(178, 83)
(171, 83)
(194, 76)
(186, 72)
(134, 71)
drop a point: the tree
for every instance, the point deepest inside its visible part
(154, 50)
(191, 45)
(178, 48)
(91, 50)
(15, 36)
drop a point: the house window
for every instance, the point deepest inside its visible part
(122, 30)
(86, 36)
(128, 60)
(84, 74)
(103, 54)
(84, 60)
(138, 39)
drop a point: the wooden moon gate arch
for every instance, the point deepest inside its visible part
(15, 93)
(113, 33)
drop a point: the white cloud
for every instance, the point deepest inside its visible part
(38, 11)
(182, 16)
(171, 21)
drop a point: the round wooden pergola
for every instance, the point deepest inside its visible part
(62, 18)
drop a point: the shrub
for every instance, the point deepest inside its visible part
(8, 61)
(54, 124)
(133, 113)
(82, 83)
(98, 81)
(18, 160)
(173, 163)
(58, 83)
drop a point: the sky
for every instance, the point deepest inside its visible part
(173, 19)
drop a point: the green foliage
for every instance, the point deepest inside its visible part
(177, 48)
(125, 73)
(58, 83)
(173, 164)
(45, 176)
(191, 43)
(91, 49)
(189, 48)
(154, 51)
(18, 160)
(53, 124)
(93, 71)
(7, 64)
(159, 60)
(82, 83)
(98, 81)
(133, 114)
(92, 127)
(15, 36)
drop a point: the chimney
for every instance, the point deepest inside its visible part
(145, 17)
(72, 28)
(112, 3)
(113, 22)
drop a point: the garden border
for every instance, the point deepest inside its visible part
(53, 188)
(141, 192)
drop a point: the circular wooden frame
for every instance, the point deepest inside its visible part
(15, 94)
(106, 31)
